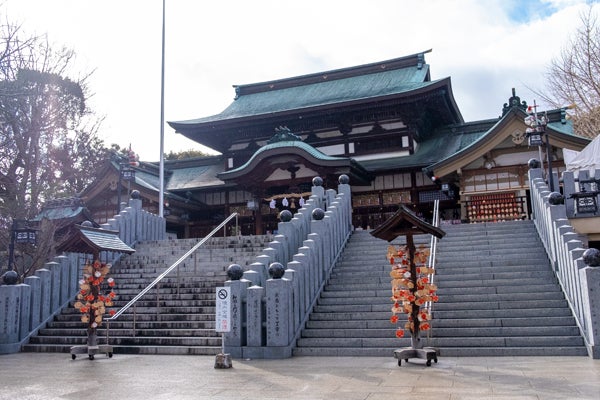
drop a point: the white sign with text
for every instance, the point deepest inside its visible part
(223, 309)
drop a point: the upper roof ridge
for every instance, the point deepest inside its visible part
(414, 60)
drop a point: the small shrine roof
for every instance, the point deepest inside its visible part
(90, 240)
(65, 209)
(404, 222)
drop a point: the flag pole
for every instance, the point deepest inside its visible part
(161, 174)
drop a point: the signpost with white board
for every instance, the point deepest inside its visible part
(223, 322)
(223, 310)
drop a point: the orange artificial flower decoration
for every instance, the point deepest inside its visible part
(410, 291)
(91, 301)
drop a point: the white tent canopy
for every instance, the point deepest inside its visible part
(586, 159)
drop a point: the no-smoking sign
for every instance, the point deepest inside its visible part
(223, 309)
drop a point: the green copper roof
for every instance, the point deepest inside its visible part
(428, 152)
(64, 209)
(195, 177)
(322, 89)
(288, 144)
(60, 213)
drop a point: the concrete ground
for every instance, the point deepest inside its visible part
(33, 376)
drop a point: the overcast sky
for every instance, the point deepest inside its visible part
(487, 47)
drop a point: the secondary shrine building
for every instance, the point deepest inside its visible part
(396, 133)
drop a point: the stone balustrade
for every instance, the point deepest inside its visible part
(574, 264)
(27, 307)
(272, 299)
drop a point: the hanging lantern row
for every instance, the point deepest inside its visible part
(285, 203)
(290, 200)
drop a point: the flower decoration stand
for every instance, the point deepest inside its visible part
(91, 351)
(91, 348)
(412, 286)
(425, 353)
(94, 297)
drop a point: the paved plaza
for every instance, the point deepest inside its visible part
(36, 376)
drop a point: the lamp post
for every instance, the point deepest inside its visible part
(535, 133)
(20, 232)
(127, 173)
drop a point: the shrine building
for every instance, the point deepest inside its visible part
(398, 135)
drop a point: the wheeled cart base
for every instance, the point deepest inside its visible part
(425, 353)
(91, 351)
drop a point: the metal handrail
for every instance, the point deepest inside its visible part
(166, 272)
(433, 246)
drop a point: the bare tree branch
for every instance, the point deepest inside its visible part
(573, 79)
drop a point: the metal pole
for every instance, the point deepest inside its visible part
(161, 174)
(549, 161)
(11, 246)
(120, 187)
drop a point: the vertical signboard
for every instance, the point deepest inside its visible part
(223, 309)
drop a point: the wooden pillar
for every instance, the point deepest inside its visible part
(415, 340)
(258, 228)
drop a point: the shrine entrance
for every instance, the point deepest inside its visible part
(279, 176)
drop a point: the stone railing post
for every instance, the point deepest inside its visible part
(319, 229)
(236, 337)
(254, 317)
(54, 269)
(302, 266)
(10, 304)
(46, 287)
(279, 298)
(35, 306)
(590, 282)
(25, 312)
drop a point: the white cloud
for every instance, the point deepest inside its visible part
(487, 48)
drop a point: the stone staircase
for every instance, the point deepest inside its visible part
(183, 322)
(498, 297)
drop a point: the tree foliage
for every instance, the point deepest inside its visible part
(573, 79)
(182, 155)
(48, 142)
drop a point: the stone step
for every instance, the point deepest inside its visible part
(443, 270)
(169, 303)
(376, 290)
(127, 324)
(349, 277)
(137, 340)
(495, 341)
(144, 317)
(146, 332)
(478, 351)
(449, 299)
(474, 306)
(500, 285)
(439, 324)
(132, 349)
(469, 332)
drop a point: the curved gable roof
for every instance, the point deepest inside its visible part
(560, 132)
(291, 148)
(287, 147)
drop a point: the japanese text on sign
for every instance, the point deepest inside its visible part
(223, 310)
